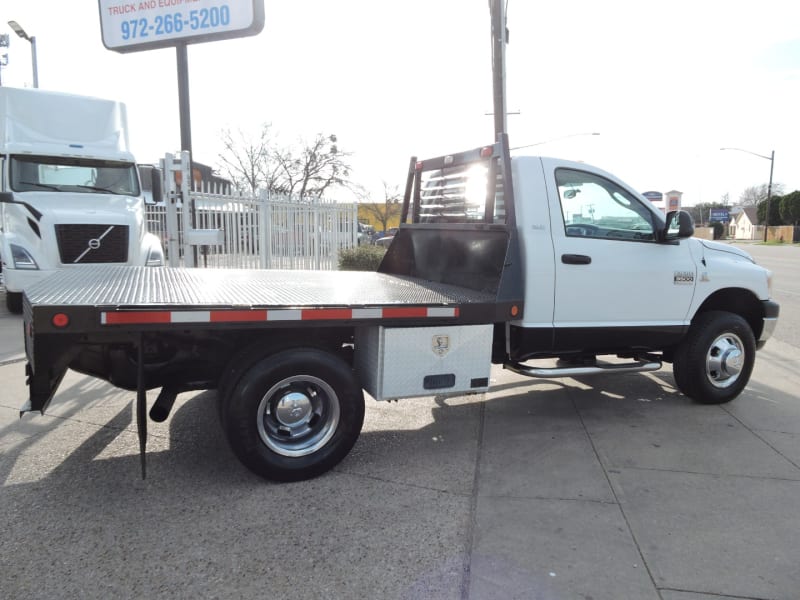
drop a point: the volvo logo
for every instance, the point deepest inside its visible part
(93, 244)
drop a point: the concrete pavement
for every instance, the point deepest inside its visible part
(596, 488)
(11, 341)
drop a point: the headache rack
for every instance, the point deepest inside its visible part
(468, 187)
(458, 225)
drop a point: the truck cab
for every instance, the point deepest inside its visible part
(622, 276)
(595, 270)
(71, 194)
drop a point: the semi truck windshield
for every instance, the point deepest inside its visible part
(62, 174)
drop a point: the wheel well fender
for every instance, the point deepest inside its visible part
(274, 341)
(739, 301)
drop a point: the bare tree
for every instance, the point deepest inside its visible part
(246, 159)
(388, 209)
(312, 169)
(307, 170)
(757, 193)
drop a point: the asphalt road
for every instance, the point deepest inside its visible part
(784, 262)
(612, 487)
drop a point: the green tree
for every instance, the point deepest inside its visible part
(790, 208)
(774, 212)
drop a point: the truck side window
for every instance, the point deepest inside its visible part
(598, 208)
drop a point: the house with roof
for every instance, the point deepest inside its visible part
(744, 224)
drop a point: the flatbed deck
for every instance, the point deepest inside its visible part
(106, 297)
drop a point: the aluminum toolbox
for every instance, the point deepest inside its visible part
(402, 362)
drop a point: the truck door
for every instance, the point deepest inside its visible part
(613, 278)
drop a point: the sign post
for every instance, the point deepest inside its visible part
(135, 25)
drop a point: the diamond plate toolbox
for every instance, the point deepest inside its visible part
(402, 362)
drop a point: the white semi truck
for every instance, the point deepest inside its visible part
(75, 196)
(498, 260)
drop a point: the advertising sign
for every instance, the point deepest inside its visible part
(719, 214)
(654, 196)
(148, 24)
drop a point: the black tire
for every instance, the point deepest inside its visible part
(714, 363)
(294, 415)
(14, 302)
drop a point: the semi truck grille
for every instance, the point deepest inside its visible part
(81, 244)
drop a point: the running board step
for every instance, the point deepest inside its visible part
(639, 366)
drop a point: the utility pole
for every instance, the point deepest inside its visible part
(499, 40)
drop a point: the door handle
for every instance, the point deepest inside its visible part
(576, 259)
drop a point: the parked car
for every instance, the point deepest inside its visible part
(384, 241)
(365, 233)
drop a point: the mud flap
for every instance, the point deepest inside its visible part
(141, 408)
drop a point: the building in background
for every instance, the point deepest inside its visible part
(743, 226)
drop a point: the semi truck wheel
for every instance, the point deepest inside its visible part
(294, 415)
(14, 302)
(714, 363)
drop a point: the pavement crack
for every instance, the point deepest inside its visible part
(614, 493)
(760, 437)
(466, 576)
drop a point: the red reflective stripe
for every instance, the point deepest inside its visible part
(309, 314)
(222, 316)
(124, 318)
(316, 314)
(405, 312)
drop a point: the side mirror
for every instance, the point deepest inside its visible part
(6, 198)
(158, 194)
(679, 225)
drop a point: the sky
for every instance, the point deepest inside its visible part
(665, 84)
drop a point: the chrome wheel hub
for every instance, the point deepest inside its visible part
(298, 415)
(725, 360)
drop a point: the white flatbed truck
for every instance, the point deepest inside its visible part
(498, 260)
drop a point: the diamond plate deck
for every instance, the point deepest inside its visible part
(196, 289)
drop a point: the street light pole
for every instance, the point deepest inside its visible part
(771, 159)
(499, 40)
(32, 39)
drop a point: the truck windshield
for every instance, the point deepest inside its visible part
(62, 174)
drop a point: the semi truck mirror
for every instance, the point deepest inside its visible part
(7, 197)
(155, 185)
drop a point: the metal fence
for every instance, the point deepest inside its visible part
(233, 231)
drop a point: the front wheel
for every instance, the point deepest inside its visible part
(714, 363)
(294, 415)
